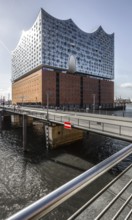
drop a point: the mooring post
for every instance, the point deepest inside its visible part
(24, 122)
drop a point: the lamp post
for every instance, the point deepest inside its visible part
(94, 103)
(99, 109)
(123, 109)
(47, 96)
(22, 97)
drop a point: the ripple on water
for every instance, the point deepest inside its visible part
(24, 178)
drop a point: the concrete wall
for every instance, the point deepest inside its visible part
(58, 135)
(17, 120)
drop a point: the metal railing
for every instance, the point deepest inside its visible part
(113, 201)
(122, 129)
(87, 204)
(52, 200)
(100, 111)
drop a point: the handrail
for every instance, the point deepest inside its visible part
(89, 124)
(80, 210)
(58, 196)
(33, 112)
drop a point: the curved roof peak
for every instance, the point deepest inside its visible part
(101, 29)
(43, 11)
(70, 20)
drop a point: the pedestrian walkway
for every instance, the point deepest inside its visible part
(112, 202)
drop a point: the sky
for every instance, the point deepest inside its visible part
(115, 16)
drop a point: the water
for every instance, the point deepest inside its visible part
(26, 177)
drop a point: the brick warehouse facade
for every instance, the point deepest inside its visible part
(44, 60)
(65, 90)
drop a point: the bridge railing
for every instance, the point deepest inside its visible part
(108, 125)
(99, 125)
(44, 205)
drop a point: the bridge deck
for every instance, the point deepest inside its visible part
(107, 204)
(114, 126)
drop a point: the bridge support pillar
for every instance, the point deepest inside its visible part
(24, 122)
(58, 135)
(17, 120)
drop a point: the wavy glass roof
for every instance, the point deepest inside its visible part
(51, 41)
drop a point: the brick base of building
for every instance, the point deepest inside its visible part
(63, 90)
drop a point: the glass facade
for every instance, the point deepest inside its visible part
(50, 42)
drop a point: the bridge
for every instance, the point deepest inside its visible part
(113, 126)
(118, 127)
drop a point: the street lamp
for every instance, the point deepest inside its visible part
(36, 100)
(48, 93)
(94, 102)
(22, 97)
(123, 109)
(99, 109)
(47, 96)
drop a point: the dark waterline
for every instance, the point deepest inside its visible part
(24, 178)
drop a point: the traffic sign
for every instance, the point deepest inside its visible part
(67, 125)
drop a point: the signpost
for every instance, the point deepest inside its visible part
(67, 125)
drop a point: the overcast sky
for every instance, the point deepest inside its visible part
(113, 15)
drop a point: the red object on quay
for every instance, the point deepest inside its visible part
(67, 125)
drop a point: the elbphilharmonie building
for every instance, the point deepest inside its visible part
(57, 56)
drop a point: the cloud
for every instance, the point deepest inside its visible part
(126, 85)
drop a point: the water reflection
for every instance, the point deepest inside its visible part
(26, 177)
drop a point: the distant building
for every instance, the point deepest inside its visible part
(56, 57)
(122, 100)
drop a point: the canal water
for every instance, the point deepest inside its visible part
(26, 177)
